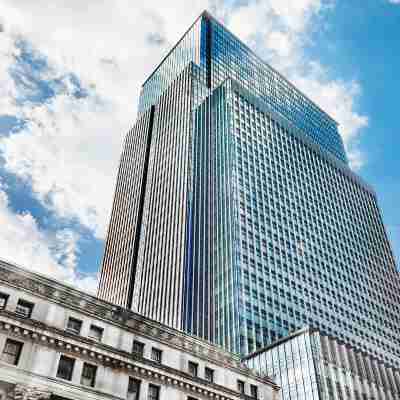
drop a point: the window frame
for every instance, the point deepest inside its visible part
(72, 330)
(141, 345)
(193, 368)
(99, 329)
(17, 355)
(85, 367)
(240, 386)
(158, 358)
(72, 360)
(5, 297)
(254, 391)
(158, 390)
(137, 393)
(24, 303)
(212, 374)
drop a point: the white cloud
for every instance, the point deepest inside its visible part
(69, 149)
(24, 243)
(394, 1)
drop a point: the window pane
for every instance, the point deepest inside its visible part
(192, 368)
(88, 375)
(3, 300)
(11, 352)
(134, 389)
(240, 386)
(156, 355)
(209, 374)
(138, 348)
(24, 308)
(253, 391)
(65, 368)
(154, 392)
(74, 325)
(96, 332)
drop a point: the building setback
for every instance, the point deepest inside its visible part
(59, 343)
(236, 215)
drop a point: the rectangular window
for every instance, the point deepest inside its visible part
(96, 333)
(88, 375)
(192, 367)
(138, 348)
(24, 308)
(156, 355)
(74, 325)
(65, 368)
(133, 389)
(254, 391)
(240, 386)
(11, 352)
(154, 392)
(3, 300)
(209, 374)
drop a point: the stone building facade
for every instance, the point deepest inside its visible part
(60, 343)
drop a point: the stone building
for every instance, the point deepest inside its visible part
(60, 343)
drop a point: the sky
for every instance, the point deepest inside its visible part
(70, 76)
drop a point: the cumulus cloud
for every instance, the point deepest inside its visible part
(93, 58)
(24, 243)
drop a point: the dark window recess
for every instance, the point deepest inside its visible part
(24, 308)
(74, 325)
(3, 300)
(154, 392)
(65, 368)
(11, 352)
(193, 368)
(96, 333)
(254, 391)
(88, 377)
(133, 389)
(240, 386)
(209, 374)
(156, 355)
(138, 348)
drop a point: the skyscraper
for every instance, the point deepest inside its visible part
(236, 216)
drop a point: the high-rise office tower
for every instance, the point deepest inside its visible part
(236, 216)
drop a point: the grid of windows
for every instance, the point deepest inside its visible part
(312, 366)
(220, 54)
(305, 229)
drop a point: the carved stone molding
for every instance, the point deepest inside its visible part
(26, 392)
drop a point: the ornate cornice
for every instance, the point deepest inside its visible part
(76, 346)
(69, 297)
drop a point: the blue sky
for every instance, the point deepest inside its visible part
(70, 77)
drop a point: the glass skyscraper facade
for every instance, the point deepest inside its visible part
(308, 365)
(236, 216)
